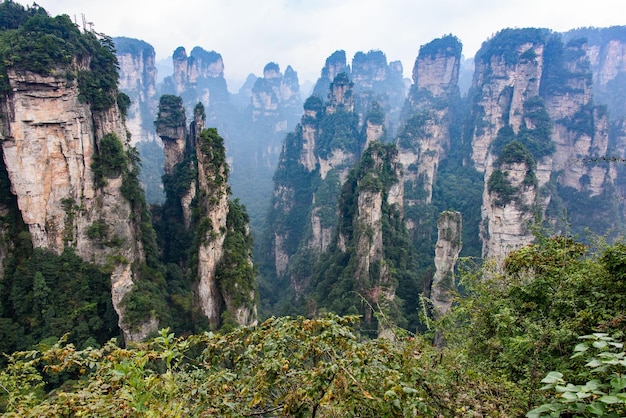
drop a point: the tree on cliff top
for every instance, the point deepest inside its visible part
(36, 42)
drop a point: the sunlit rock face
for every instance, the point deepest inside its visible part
(49, 140)
(507, 224)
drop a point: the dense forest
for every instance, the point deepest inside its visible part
(343, 274)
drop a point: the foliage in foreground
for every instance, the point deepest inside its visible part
(511, 328)
(284, 367)
(604, 392)
(522, 322)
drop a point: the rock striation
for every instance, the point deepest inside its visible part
(324, 146)
(198, 77)
(424, 139)
(276, 97)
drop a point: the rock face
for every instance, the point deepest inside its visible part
(532, 89)
(318, 151)
(522, 147)
(276, 97)
(211, 248)
(138, 76)
(171, 127)
(375, 83)
(425, 137)
(447, 251)
(197, 176)
(276, 107)
(372, 275)
(507, 223)
(50, 139)
(606, 51)
(198, 77)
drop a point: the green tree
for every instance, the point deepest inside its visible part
(520, 322)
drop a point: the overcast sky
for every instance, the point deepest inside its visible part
(303, 33)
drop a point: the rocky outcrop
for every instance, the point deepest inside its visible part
(197, 187)
(372, 275)
(378, 83)
(50, 139)
(138, 75)
(226, 279)
(606, 51)
(449, 227)
(276, 98)
(341, 96)
(323, 148)
(507, 73)
(424, 139)
(508, 212)
(360, 268)
(171, 127)
(214, 205)
(198, 77)
(374, 83)
(532, 89)
(335, 64)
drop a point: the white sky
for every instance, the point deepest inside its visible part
(303, 33)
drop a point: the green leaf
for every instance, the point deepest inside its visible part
(553, 377)
(594, 363)
(596, 408)
(570, 396)
(568, 388)
(618, 383)
(581, 347)
(537, 412)
(409, 390)
(610, 399)
(600, 344)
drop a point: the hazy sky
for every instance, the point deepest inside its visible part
(303, 33)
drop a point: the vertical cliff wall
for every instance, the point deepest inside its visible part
(424, 139)
(375, 83)
(212, 241)
(199, 77)
(369, 267)
(275, 98)
(447, 251)
(65, 151)
(138, 76)
(534, 126)
(314, 163)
